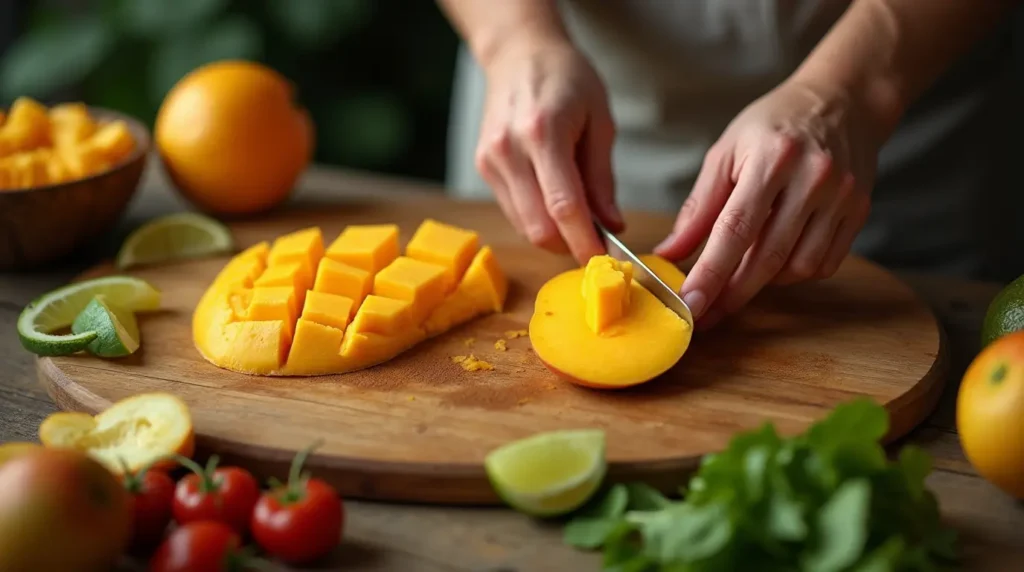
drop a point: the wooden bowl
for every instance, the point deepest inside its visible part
(42, 224)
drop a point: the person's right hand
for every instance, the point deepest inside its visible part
(545, 145)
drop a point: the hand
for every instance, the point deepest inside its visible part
(780, 198)
(545, 145)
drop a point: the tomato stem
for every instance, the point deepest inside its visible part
(206, 482)
(296, 487)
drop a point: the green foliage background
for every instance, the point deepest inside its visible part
(375, 74)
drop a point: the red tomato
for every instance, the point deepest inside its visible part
(225, 494)
(301, 521)
(152, 492)
(199, 546)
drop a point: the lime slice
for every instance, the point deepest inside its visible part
(58, 309)
(174, 237)
(117, 332)
(549, 473)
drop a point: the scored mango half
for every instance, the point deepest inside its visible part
(300, 307)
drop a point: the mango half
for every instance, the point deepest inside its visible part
(298, 308)
(598, 327)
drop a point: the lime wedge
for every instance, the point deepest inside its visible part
(550, 473)
(174, 237)
(58, 309)
(117, 332)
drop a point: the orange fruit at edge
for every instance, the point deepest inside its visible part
(990, 413)
(232, 139)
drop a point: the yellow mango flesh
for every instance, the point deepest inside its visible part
(669, 273)
(605, 291)
(294, 308)
(445, 245)
(641, 344)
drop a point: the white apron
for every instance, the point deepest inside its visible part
(677, 71)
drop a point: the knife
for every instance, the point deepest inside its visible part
(643, 275)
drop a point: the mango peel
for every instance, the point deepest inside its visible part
(296, 308)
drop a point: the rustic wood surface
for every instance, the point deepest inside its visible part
(417, 428)
(392, 536)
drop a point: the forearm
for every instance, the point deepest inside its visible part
(485, 25)
(887, 52)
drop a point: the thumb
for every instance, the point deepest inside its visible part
(697, 216)
(595, 157)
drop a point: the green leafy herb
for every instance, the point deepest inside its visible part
(828, 500)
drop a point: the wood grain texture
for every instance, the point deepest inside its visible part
(41, 225)
(417, 428)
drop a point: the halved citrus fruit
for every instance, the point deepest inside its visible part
(550, 473)
(138, 431)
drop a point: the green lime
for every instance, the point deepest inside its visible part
(1005, 313)
(58, 309)
(174, 237)
(550, 473)
(117, 332)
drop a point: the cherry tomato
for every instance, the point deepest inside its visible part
(301, 521)
(225, 494)
(152, 492)
(200, 546)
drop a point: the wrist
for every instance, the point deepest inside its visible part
(488, 44)
(876, 97)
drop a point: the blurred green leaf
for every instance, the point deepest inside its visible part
(165, 18)
(315, 24)
(236, 37)
(366, 130)
(53, 57)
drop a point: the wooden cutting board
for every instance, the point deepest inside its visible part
(417, 428)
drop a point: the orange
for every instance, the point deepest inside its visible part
(990, 413)
(232, 139)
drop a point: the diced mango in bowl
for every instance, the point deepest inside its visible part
(296, 307)
(42, 146)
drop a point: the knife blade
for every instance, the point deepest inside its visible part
(643, 275)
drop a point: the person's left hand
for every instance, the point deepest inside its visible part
(780, 198)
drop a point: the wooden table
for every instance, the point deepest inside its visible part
(435, 539)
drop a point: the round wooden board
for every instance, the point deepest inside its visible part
(418, 427)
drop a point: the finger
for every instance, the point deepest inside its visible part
(701, 208)
(742, 218)
(503, 159)
(845, 235)
(809, 253)
(562, 188)
(489, 173)
(596, 168)
(789, 221)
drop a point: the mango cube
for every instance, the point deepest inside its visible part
(337, 278)
(70, 124)
(115, 141)
(422, 284)
(382, 316)
(444, 245)
(240, 302)
(244, 269)
(328, 309)
(27, 127)
(605, 290)
(368, 247)
(482, 289)
(82, 160)
(257, 346)
(273, 303)
(316, 346)
(305, 247)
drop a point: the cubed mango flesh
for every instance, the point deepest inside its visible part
(445, 245)
(328, 310)
(343, 280)
(261, 316)
(70, 124)
(423, 284)
(605, 289)
(370, 247)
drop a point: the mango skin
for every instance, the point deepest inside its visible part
(225, 337)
